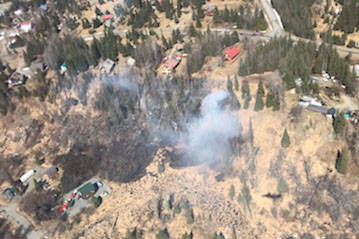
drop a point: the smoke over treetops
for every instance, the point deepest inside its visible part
(208, 137)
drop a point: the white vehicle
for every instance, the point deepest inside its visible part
(99, 184)
(27, 175)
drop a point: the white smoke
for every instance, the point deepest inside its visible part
(126, 80)
(208, 137)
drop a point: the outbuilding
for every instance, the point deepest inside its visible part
(107, 66)
(16, 79)
(9, 193)
(209, 10)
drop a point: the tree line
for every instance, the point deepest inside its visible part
(243, 18)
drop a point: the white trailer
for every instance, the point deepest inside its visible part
(27, 175)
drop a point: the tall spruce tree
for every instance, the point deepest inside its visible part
(285, 139)
(229, 84)
(260, 88)
(339, 124)
(259, 105)
(342, 161)
(236, 84)
(245, 89)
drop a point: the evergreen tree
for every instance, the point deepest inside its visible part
(276, 102)
(185, 3)
(260, 88)
(95, 49)
(174, 37)
(165, 43)
(351, 44)
(270, 99)
(85, 23)
(226, 16)
(227, 41)
(259, 105)
(216, 16)
(285, 139)
(189, 216)
(245, 89)
(247, 101)
(235, 37)
(163, 234)
(339, 124)
(98, 12)
(179, 7)
(235, 105)
(187, 236)
(134, 234)
(219, 236)
(198, 22)
(236, 84)
(179, 35)
(192, 31)
(229, 84)
(96, 23)
(342, 161)
(109, 45)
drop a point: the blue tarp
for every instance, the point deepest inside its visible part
(43, 7)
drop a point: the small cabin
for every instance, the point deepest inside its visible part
(209, 10)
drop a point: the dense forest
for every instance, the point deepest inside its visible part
(348, 19)
(298, 61)
(243, 18)
(296, 16)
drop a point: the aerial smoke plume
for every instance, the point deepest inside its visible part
(208, 137)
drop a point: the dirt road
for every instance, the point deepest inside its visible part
(21, 221)
(18, 219)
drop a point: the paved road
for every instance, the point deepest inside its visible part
(272, 18)
(277, 28)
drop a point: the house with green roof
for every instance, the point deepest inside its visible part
(88, 190)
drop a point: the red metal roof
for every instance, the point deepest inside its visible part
(107, 17)
(232, 52)
(25, 23)
(172, 63)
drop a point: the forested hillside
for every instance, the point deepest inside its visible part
(298, 61)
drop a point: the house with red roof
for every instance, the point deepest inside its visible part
(107, 17)
(26, 26)
(231, 53)
(172, 63)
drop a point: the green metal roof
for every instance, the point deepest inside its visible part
(87, 189)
